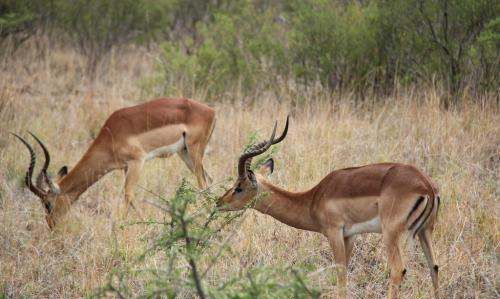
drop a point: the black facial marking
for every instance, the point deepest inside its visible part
(436, 268)
(404, 272)
(48, 206)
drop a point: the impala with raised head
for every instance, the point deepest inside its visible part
(128, 138)
(387, 198)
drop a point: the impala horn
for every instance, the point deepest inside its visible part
(43, 173)
(245, 160)
(29, 174)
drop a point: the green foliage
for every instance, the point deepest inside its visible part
(240, 50)
(15, 15)
(334, 44)
(452, 28)
(486, 54)
(17, 21)
(190, 244)
(361, 46)
(263, 283)
(242, 47)
(97, 26)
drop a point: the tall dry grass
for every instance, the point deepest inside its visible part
(458, 148)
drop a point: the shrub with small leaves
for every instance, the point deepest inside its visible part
(192, 240)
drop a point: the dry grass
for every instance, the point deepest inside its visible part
(459, 149)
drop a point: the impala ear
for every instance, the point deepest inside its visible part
(63, 171)
(268, 167)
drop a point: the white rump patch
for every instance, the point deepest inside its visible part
(169, 149)
(370, 226)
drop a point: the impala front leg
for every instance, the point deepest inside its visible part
(336, 238)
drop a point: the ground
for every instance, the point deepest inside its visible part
(458, 148)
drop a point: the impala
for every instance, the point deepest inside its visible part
(387, 198)
(129, 137)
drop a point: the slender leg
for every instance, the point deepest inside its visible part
(200, 171)
(188, 160)
(425, 238)
(336, 239)
(132, 175)
(207, 176)
(183, 154)
(391, 240)
(195, 157)
(349, 244)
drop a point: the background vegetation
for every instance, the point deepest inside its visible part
(365, 81)
(367, 47)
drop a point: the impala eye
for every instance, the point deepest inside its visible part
(238, 190)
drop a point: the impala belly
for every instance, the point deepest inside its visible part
(168, 149)
(370, 226)
(162, 141)
(358, 215)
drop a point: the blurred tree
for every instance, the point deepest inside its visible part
(453, 26)
(97, 26)
(487, 56)
(240, 48)
(254, 46)
(335, 44)
(17, 23)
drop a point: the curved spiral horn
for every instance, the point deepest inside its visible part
(285, 131)
(254, 151)
(29, 174)
(43, 173)
(245, 160)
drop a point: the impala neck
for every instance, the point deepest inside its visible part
(87, 171)
(291, 208)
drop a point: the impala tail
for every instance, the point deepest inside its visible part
(430, 205)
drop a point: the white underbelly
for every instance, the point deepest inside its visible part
(168, 149)
(370, 226)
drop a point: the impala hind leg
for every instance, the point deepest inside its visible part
(336, 239)
(393, 247)
(425, 238)
(192, 155)
(132, 175)
(183, 154)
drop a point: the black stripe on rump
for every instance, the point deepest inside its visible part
(419, 201)
(439, 203)
(415, 206)
(426, 218)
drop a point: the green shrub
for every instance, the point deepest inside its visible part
(17, 24)
(190, 243)
(240, 50)
(228, 48)
(97, 26)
